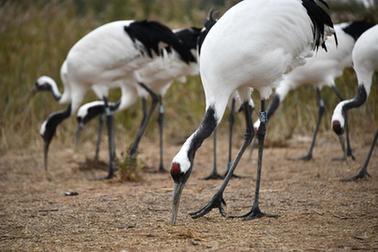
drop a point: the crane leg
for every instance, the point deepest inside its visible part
(144, 118)
(363, 172)
(217, 200)
(231, 120)
(101, 120)
(255, 211)
(321, 110)
(161, 134)
(134, 146)
(214, 173)
(348, 150)
(275, 103)
(111, 145)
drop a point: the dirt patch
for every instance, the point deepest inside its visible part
(317, 211)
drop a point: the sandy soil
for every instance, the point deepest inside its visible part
(317, 211)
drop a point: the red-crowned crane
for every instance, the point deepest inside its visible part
(322, 70)
(234, 106)
(155, 77)
(251, 46)
(365, 63)
(109, 54)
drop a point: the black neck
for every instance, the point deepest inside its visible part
(60, 116)
(53, 121)
(358, 100)
(356, 29)
(273, 106)
(207, 126)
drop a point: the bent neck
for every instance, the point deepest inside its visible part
(357, 101)
(273, 106)
(49, 126)
(57, 95)
(62, 115)
(206, 128)
(54, 90)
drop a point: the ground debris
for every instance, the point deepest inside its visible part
(317, 214)
(343, 217)
(91, 164)
(48, 210)
(157, 209)
(129, 170)
(362, 237)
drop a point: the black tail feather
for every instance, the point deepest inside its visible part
(152, 33)
(320, 18)
(208, 24)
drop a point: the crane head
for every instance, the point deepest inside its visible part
(44, 83)
(48, 129)
(91, 110)
(337, 128)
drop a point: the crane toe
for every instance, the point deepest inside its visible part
(254, 213)
(216, 202)
(362, 174)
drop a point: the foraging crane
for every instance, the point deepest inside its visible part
(252, 45)
(106, 55)
(322, 70)
(365, 63)
(234, 105)
(155, 77)
(48, 84)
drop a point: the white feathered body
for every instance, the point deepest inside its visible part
(253, 45)
(105, 55)
(365, 63)
(321, 69)
(160, 73)
(157, 74)
(365, 57)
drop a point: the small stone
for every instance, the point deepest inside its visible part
(70, 193)
(194, 242)
(131, 225)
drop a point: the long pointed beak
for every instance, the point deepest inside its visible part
(176, 201)
(342, 143)
(31, 94)
(46, 153)
(78, 132)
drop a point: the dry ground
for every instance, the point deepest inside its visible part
(317, 211)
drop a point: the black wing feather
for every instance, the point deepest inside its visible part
(208, 24)
(319, 18)
(152, 33)
(189, 37)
